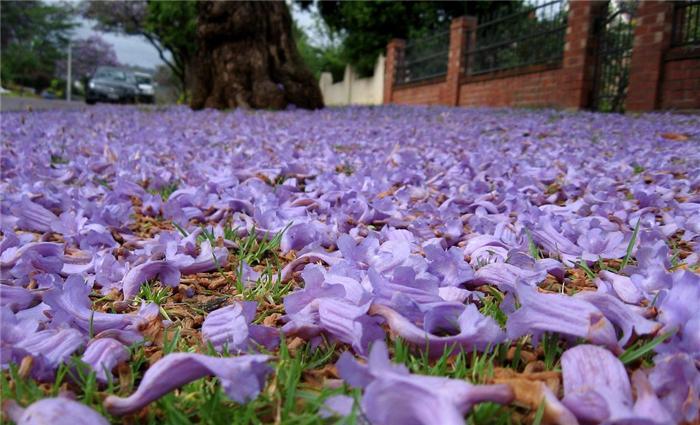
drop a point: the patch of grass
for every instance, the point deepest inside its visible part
(489, 414)
(491, 306)
(166, 190)
(584, 266)
(250, 249)
(150, 292)
(552, 350)
(58, 160)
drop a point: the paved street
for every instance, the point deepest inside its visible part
(12, 103)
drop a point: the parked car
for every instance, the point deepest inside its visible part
(111, 85)
(146, 87)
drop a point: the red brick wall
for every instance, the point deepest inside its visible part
(680, 88)
(531, 89)
(660, 76)
(420, 94)
(652, 37)
(565, 86)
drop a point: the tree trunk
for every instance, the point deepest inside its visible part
(246, 57)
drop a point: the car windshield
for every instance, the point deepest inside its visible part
(143, 79)
(111, 74)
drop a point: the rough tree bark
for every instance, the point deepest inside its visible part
(247, 57)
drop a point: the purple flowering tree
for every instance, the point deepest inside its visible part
(89, 54)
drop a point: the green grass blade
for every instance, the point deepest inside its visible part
(636, 350)
(630, 247)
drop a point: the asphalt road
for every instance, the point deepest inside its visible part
(13, 103)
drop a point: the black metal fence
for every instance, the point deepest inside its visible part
(686, 23)
(533, 34)
(614, 34)
(423, 58)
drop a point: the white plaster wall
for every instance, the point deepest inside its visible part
(353, 90)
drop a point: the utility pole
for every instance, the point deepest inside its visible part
(69, 79)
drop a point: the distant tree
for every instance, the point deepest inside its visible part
(88, 54)
(326, 58)
(33, 36)
(169, 26)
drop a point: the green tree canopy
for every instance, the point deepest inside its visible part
(34, 37)
(367, 27)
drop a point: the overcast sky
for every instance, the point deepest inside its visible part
(135, 50)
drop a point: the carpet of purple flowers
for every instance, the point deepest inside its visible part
(386, 265)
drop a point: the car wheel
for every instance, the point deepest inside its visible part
(90, 101)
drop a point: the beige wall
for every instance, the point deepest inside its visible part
(353, 90)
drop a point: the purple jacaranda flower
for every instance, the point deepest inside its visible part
(71, 304)
(676, 381)
(8, 241)
(315, 287)
(19, 261)
(337, 405)
(370, 253)
(103, 354)
(533, 268)
(229, 328)
(414, 399)
(465, 327)
(33, 263)
(554, 242)
(108, 272)
(647, 405)
(208, 259)
(297, 236)
(49, 348)
(338, 308)
(304, 259)
(80, 262)
(242, 378)
(17, 298)
(681, 303)
(406, 285)
(167, 273)
(623, 286)
(650, 274)
(598, 243)
(597, 389)
(679, 311)
(449, 266)
(33, 216)
(56, 411)
(562, 314)
(14, 329)
(505, 276)
(76, 230)
(620, 314)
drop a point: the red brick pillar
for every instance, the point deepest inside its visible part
(652, 38)
(456, 57)
(579, 60)
(394, 52)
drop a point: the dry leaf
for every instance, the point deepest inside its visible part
(675, 136)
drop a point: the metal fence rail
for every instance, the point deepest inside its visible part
(535, 34)
(686, 23)
(423, 58)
